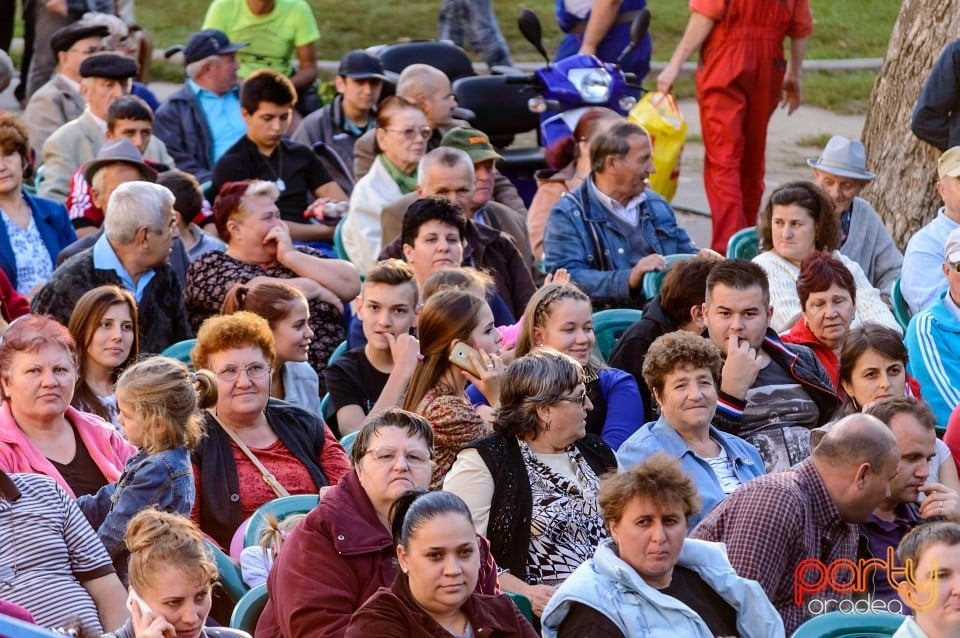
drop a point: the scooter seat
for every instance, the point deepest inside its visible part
(445, 56)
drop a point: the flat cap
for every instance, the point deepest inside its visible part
(66, 37)
(108, 65)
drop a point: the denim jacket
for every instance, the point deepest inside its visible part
(581, 237)
(163, 480)
(659, 436)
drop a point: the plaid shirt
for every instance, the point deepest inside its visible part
(774, 522)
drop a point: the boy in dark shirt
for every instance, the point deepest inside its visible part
(374, 377)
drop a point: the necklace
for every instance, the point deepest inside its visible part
(281, 185)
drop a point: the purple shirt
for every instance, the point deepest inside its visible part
(880, 535)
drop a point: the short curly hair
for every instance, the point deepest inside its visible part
(679, 349)
(239, 330)
(659, 479)
(540, 378)
(14, 137)
(812, 199)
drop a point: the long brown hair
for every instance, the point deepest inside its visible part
(83, 324)
(447, 316)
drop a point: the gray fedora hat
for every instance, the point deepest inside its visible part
(119, 150)
(844, 158)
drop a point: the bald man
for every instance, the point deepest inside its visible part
(787, 528)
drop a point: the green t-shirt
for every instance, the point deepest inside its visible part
(272, 38)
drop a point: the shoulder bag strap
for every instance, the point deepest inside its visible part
(268, 478)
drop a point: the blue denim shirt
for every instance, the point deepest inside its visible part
(659, 436)
(602, 270)
(163, 480)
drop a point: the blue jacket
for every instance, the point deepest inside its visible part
(580, 237)
(609, 585)
(182, 126)
(659, 436)
(933, 341)
(54, 227)
(163, 480)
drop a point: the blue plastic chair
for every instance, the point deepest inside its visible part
(279, 508)
(337, 352)
(338, 241)
(745, 244)
(248, 609)
(901, 311)
(653, 279)
(10, 626)
(837, 624)
(230, 578)
(348, 440)
(609, 325)
(180, 350)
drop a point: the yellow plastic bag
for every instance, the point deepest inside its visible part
(659, 115)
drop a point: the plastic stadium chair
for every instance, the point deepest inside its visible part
(338, 241)
(180, 350)
(837, 624)
(901, 311)
(247, 612)
(608, 325)
(653, 279)
(337, 352)
(522, 603)
(280, 508)
(230, 578)
(325, 410)
(347, 441)
(745, 244)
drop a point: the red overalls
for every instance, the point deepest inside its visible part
(739, 80)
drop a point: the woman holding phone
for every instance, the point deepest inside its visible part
(459, 343)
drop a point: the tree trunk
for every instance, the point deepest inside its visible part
(904, 193)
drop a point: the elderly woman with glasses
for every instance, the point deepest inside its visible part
(343, 552)
(532, 486)
(401, 140)
(257, 448)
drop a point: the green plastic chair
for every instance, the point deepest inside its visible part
(901, 311)
(337, 352)
(836, 624)
(279, 508)
(230, 578)
(338, 241)
(248, 609)
(180, 350)
(745, 244)
(325, 410)
(609, 325)
(348, 440)
(653, 279)
(522, 603)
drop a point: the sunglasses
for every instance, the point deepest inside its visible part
(411, 133)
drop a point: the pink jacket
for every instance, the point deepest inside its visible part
(107, 448)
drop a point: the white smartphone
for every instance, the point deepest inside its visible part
(460, 357)
(133, 598)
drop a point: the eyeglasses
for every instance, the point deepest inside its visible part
(954, 266)
(388, 456)
(580, 399)
(411, 133)
(254, 371)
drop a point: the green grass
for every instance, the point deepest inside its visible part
(814, 141)
(842, 30)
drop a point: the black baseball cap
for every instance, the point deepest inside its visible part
(203, 44)
(360, 65)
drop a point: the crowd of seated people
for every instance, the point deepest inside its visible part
(758, 414)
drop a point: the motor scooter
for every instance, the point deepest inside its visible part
(550, 100)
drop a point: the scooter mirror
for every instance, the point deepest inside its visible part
(529, 25)
(640, 26)
(638, 31)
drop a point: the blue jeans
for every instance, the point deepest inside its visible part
(472, 22)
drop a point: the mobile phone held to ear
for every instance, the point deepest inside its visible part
(133, 598)
(460, 357)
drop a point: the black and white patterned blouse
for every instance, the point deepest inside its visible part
(566, 525)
